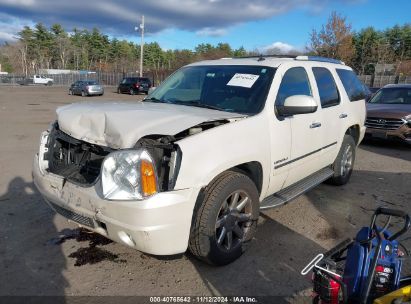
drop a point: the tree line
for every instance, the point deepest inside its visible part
(44, 48)
(364, 49)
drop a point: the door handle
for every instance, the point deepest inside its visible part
(343, 115)
(315, 125)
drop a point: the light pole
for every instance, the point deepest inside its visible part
(141, 27)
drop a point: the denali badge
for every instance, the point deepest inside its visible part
(280, 161)
(382, 121)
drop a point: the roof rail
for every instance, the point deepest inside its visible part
(262, 57)
(296, 57)
(319, 58)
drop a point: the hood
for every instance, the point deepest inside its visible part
(398, 111)
(121, 125)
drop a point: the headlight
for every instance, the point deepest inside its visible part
(128, 175)
(408, 120)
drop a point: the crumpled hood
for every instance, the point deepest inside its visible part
(121, 125)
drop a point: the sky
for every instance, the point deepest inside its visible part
(183, 24)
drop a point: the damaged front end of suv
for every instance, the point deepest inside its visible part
(126, 194)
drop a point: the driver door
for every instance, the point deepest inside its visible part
(306, 129)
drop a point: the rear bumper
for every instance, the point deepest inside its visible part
(95, 92)
(159, 225)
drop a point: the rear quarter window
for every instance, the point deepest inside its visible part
(352, 85)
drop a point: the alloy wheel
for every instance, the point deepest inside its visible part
(233, 220)
(347, 160)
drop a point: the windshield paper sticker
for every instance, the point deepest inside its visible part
(243, 80)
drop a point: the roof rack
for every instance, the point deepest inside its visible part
(296, 57)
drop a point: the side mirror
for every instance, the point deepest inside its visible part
(297, 104)
(151, 90)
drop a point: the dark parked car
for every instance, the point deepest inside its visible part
(86, 88)
(389, 113)
(134, 85)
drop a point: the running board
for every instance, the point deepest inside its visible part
(291, 192)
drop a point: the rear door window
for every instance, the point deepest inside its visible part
(327, 88)
(352, 85)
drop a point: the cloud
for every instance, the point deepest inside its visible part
(4, 36)
(10, 26)
(205, 17)
(213, 32)
(279, 47)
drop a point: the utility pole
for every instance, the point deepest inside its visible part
(142, 46)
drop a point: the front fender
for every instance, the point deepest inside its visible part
(209, 153)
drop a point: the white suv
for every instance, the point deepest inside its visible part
(193, 164)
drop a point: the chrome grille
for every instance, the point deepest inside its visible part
(75, 217)
(383, 123)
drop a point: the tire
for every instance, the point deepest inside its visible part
(70, 92)
(215, 212)
(344, 163)
(83, 94)
(132, 92)
(118, 91)
(50, 83)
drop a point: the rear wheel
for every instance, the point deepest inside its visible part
(118, 91)
(70, 92)
(83, 93)
(132, 92)
(226, 220)
(344, 163)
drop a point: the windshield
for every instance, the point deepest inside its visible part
(392, 96)
(234, 88)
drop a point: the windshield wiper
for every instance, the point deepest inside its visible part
(197, 103)
(153, 99)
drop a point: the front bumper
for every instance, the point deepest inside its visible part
(159, 225)
(403, 133)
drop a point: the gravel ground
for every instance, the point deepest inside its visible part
(43, 254)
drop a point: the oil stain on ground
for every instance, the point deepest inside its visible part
(328, 233)
(87, 255)
(94, 255)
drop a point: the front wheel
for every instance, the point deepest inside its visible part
(83, 94)
(344, 163)
(225, 221)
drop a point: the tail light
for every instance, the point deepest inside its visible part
(137, 84)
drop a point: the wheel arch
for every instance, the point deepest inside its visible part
(354, 131)
(252, 169)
